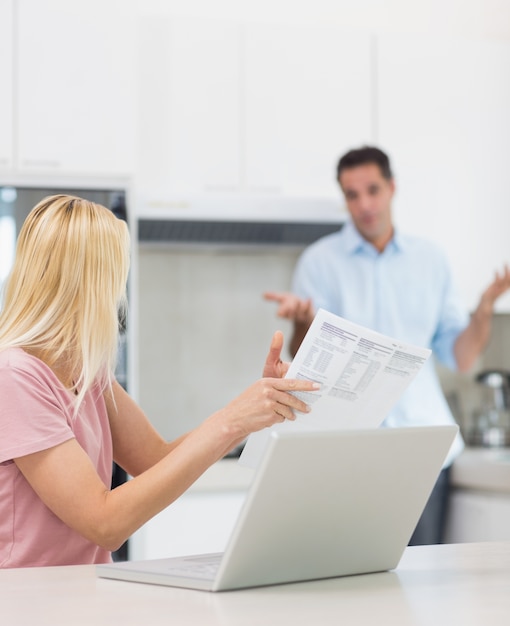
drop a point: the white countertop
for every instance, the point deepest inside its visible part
(225, 475)
(483, 468)
(462, 584)
(475, 468)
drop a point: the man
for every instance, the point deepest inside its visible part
(372, 274)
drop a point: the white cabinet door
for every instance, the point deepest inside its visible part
(189, 105)
(196, 523)
(308, 99)
(444, 118)
(227, 107)
(478, 516)
(6, 76)
(75, 87)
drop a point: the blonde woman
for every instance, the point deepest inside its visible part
(64, 418)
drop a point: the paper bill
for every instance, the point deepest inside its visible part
(362, 375)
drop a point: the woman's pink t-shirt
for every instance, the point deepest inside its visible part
(36, 413)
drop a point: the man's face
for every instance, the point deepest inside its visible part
(368, 197)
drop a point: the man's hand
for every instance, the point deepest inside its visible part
(474, 338)
(299, 311)
(291, 307)
(497, 288)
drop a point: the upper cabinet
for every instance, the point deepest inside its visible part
(250, 109)
(443, 109)
(189, 117)
(307, 98)
(74, 88)
(251, 116)
(6, 76)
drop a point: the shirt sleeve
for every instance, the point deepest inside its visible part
(32, 416)
(453, 319)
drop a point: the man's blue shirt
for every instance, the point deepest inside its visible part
(405, 292)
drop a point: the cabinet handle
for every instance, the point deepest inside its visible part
(40, 163)
(264, 189)
(221, 188)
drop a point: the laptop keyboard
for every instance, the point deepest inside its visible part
(197, 567)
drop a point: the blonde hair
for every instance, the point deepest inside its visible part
(67, 289)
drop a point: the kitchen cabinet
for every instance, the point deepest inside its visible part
(6, 72)
(477, 515)
(479, 508)
(308, 97)
(194, 524)
(443, 115)
(255, 112)
(201, 520)
(248, 109)
(74, 89)
(189, 117)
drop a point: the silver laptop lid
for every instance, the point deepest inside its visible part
(321, 505)
(332, 504)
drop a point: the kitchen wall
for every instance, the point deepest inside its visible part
(193, 355)
(451, 17)
(464, 394)
(204, 327)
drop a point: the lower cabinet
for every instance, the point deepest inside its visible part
(196, 523)
(201, 521)
(476, 515)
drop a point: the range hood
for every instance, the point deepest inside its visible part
(236, 220)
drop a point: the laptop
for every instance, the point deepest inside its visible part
(321, 505)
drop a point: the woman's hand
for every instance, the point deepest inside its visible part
(274, 367)
(265, 403)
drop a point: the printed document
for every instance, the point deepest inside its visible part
(362, 375)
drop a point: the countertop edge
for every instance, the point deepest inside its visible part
(486, 469)
(225, 475)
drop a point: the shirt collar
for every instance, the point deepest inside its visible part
(355, 243)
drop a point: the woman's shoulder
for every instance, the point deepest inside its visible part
(19, 359)
(14, 358)
(17, 364)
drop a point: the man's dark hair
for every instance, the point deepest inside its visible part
(365, 156)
